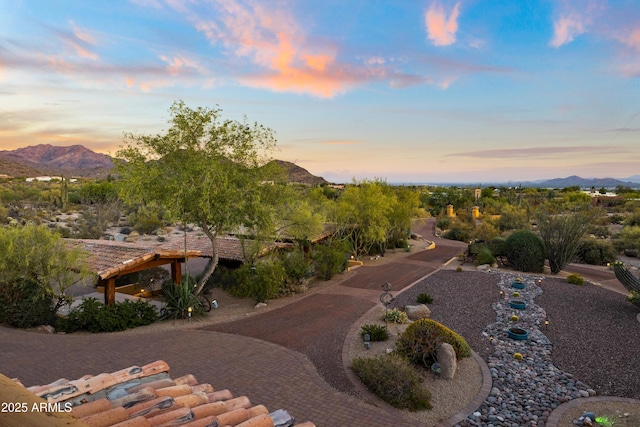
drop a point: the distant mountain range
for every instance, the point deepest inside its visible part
(570, 181)
(45, 159)
(79, 161)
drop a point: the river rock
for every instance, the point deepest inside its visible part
(415, 312)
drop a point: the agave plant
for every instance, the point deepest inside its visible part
(179, 300)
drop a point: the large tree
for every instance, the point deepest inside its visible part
(204, 170)
(561, 228)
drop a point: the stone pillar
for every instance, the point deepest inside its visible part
(450, 212)
(475, 212)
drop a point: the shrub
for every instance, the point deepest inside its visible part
(497, 246)
(596, 252)
(376, 332)
(459, 269)
(484, 256)
(25, 303)
(178, 299)
(424, 299)
(395, 316)
(634, 298)
(443, 223)
(261, 281)
(514, 318)
(458, 232)
(575, 279)
(393, 380)
(525, 251)
(297, 268)
(419, 342)
(329, 260)
(93, 316)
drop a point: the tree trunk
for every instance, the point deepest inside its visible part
(213, 263)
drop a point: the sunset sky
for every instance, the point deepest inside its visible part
(407, 91)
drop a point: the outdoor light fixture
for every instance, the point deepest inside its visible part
(142, 292)
(190, 309)
(490, 337)
(501, 294)
(367, 341)
(546, 323)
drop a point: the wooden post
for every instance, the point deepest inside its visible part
(109, 291)
(176, 272)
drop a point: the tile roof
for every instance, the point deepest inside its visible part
(107, 258)
(146, 396)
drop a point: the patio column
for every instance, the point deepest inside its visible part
(109, 290)
(176, 272)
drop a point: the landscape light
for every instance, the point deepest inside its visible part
(190, 309)
(367, 341)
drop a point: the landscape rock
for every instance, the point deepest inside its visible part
(47, 329)
(415, 312)
(260, 304)
(483, 267)
(446, 356)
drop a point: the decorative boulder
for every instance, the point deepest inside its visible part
(446, 356)
(415, 312)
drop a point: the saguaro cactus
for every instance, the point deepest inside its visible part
(624, 276)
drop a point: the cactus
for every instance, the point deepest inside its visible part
(624, 276)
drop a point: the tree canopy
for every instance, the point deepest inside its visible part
(203, 170)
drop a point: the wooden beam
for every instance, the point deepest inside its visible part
(148, 265)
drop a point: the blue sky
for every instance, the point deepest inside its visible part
(407, 91)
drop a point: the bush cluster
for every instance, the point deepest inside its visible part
(376, 332)
(395, 316)
(420, 341)
(596, 252)
(94, 316)
(525, 251)
(424, 298)
(25, 303)
(575, 279)
(394, 380)
(328, 260)
(260, 281)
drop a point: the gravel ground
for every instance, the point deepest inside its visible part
(595, 336)
(461, 301)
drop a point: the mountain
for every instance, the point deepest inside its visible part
(77, 160)
(299, 175)
(573, 180)
(634, 178)
(46, 159)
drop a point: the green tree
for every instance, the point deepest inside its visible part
(512, 218)
(363, 216)
(36, 268)
(562, 230)
(203, 170)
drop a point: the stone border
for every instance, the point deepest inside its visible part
(556, 414)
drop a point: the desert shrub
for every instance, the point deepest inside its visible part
(424, 298)
(525, 251)
(458, 232)
(459, 270)
(93, 316)
(376, 332)
(497, 246)
(261, 281)
(296, 267)
(25, 303)
(420, 341)
(395, 316)
(328, 260)
(393, 380)
(443, 223)
(575, 279)
(484, 256)
(596, 252)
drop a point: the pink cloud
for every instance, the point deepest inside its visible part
(273, 41)
(566, 29)
(441, 29)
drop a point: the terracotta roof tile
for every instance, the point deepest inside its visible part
(147, 396)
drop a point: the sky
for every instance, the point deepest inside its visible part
(404, 91)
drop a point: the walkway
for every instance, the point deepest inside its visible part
(287, 358)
